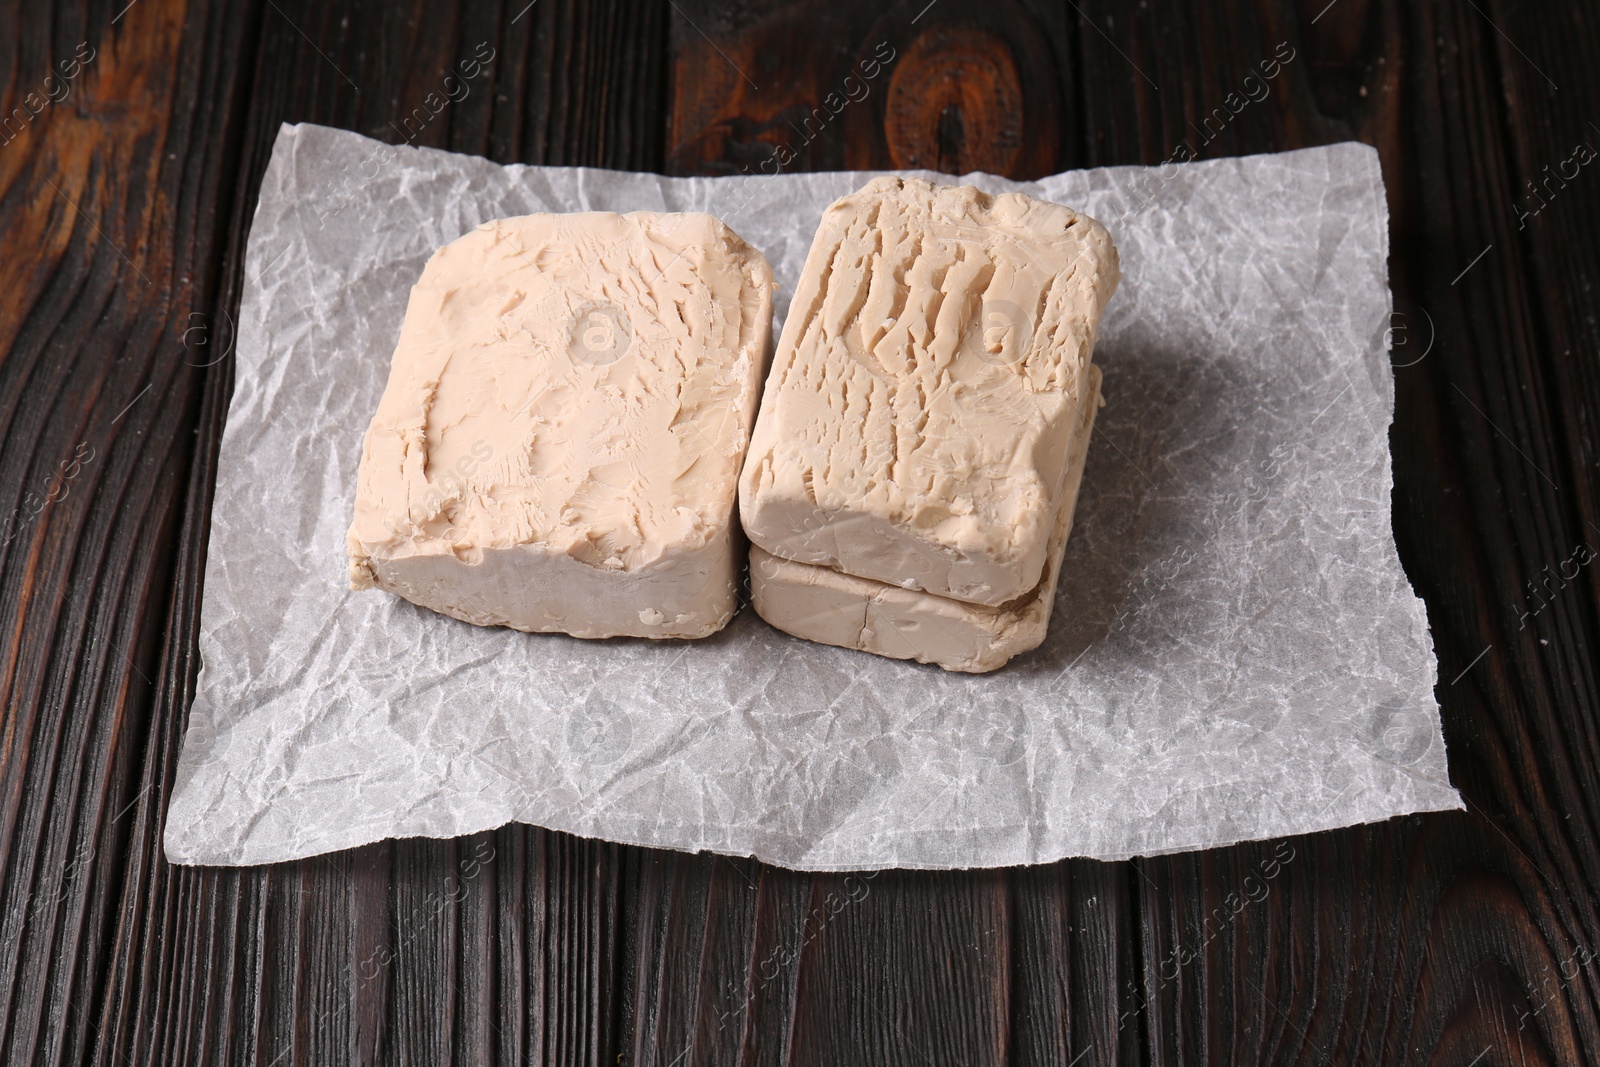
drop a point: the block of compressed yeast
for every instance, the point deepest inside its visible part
(821, 604)
(568, 406)
(914, 428)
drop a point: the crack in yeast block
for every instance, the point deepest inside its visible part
(833, 608)
(567, 410)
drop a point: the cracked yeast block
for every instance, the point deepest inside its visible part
(825, 605)
(558, 445)
(915, 427)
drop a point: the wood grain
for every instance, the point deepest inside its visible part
(1452, 939)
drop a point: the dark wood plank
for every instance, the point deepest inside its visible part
(110, 240)
(1441, 939)
(389, 954)
(960, 85)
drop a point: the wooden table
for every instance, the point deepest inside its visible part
(127, 183)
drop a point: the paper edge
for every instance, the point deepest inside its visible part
(339, 843)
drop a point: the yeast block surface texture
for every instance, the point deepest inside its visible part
(559, 441)
(825, 605)
(915, 427)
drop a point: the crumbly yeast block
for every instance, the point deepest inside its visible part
(914, 428)
(824, 605)
(568, 406)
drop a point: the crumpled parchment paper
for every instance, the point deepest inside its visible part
(1235, 652)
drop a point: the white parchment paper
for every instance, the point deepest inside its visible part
(1235, 653)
